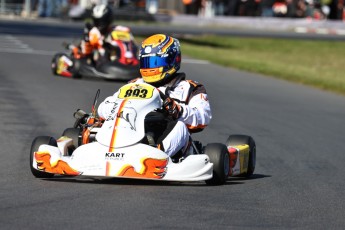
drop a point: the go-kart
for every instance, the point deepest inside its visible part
(124, 145)
(118, 62)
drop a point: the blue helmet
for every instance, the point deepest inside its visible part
(160, 58)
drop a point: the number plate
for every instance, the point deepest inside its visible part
(136, 91)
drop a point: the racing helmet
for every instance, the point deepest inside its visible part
(102, 17)
(160, 58)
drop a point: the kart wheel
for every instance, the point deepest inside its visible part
(55, 66)
(219, 156)
(245, 140)
(37, 142)
(75, 69)
(74, 134)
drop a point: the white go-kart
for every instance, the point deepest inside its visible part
(124, 146)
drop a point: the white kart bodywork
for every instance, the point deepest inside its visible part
(117, 151)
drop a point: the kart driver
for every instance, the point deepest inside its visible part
(186, 100)
(100, 33)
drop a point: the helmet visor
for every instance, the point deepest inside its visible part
(154, 62)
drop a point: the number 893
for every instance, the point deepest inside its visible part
(142, 93)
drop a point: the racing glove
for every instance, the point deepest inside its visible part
(174, 110)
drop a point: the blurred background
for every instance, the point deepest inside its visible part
(146, 9)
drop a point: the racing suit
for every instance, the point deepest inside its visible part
(196, 115)
(118, 37)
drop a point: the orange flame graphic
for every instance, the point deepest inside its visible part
(152, 168)
(60, 167)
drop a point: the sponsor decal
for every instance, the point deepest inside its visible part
(148, 49)
(148, 55)
(128, 114)
(114, 156)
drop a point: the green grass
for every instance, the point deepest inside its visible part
(319, 64)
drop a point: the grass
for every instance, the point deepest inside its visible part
(316, 63)
(319, 64)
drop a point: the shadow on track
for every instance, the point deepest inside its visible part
(242, 180)
(141, 182)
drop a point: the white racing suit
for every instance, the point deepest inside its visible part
(192, 97)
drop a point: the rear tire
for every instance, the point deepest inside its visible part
(75, 68)
(234, 140)
(219, 156)
(55, 62)
(37, 142)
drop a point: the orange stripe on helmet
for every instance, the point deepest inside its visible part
(171, 41)
(154, 40)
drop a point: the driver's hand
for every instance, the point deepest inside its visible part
(173, 109)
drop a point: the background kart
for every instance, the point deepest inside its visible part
(119, 62)
(124, 146)
(66, 66)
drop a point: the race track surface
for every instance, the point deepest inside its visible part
(298, 182)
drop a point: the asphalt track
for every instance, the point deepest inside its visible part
(299, 131)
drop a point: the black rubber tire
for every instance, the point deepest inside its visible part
(245, 140)
(75, 69)
(219, 156)
(36, 143)
(74, 134)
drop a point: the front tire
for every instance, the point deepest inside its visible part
(234, 140)
(55, 65)
(219, 156)
(37, 142)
